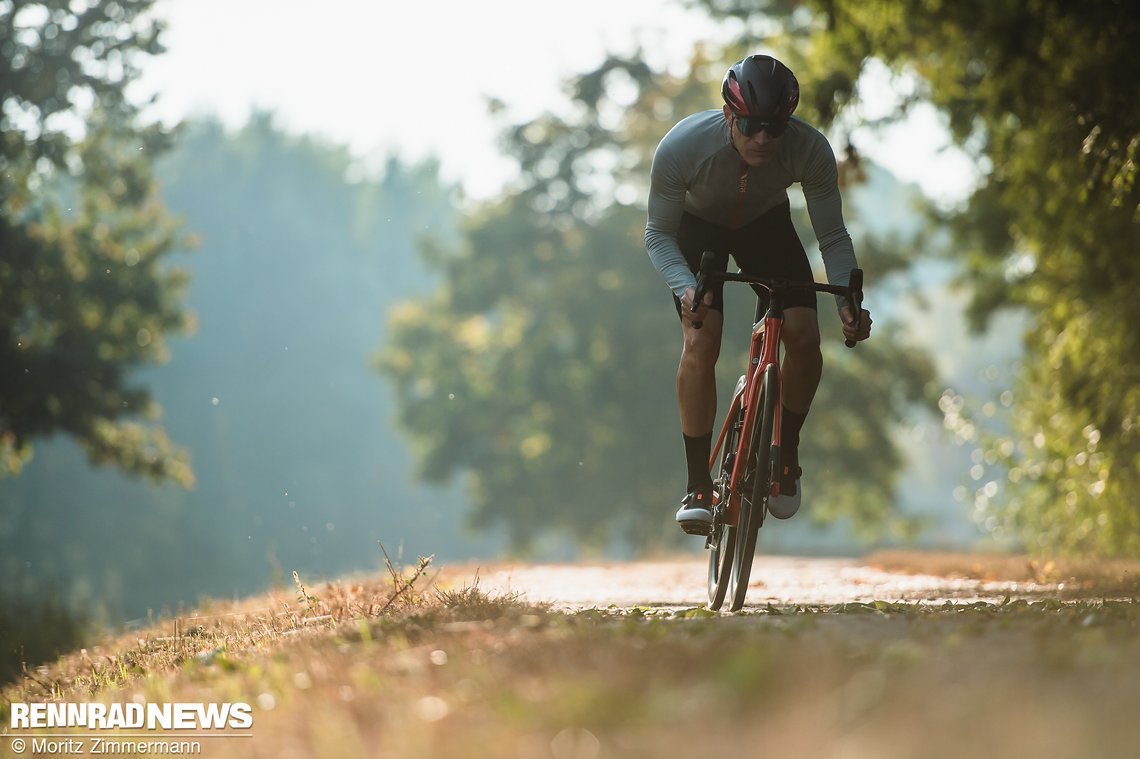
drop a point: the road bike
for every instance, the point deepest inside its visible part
(747, 473)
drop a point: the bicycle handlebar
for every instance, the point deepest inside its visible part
(706, 276)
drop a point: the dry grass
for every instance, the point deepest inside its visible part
(222, 632)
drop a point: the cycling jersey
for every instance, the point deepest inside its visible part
(697, 169)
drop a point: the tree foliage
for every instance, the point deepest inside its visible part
(1044, 95)
(84, 295)
(543, 369)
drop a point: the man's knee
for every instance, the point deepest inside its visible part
(800, 333)
(702, 346)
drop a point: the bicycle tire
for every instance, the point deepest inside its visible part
(722, 543)
(753, 504)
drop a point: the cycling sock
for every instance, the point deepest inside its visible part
(697, 451)
(791, 424)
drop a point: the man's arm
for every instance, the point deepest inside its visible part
(825, 209)
(666, 206)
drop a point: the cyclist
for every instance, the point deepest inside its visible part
(719, 182)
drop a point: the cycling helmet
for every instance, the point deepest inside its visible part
(761, 87)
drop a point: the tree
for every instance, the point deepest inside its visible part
(85, 297)
(542, 370)
(1044, 94)
(295, 461)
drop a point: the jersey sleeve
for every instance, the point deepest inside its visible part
(666, 206)
(820, 184)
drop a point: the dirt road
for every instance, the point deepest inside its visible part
(775, 580)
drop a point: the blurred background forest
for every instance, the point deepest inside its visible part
(231, 353)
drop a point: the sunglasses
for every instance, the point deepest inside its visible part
(750, 126)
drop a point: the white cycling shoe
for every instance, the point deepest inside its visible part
(695, 515)
(787, 503)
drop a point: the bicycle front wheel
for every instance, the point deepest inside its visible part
(722, 547)
(754, 499)
(722, 541)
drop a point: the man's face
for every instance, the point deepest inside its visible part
(756, 150)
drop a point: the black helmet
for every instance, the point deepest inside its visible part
(761, 87)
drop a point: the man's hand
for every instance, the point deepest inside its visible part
(688, 315)
(849, 331)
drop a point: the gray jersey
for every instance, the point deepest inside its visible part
(696, 169)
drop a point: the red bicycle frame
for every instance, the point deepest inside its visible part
(754, 418)
(764, 352)
(763, 356)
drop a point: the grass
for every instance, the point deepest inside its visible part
(412, 665)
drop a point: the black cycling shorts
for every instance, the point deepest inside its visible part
(766, 247)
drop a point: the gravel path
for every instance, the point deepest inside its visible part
(775, 580)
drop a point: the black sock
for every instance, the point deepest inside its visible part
(792, 423)
(697, 452)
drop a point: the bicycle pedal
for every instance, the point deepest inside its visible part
(703, 529)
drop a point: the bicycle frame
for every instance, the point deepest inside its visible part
(754, 418)
(764, 355)
(764, 352)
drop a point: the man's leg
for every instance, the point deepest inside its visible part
(803, 361)
(802, 368)
(696, 375)
(696, 394)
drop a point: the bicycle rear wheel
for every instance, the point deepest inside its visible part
(754, 499)
(722, 541)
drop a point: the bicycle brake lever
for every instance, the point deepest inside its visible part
(855, 298)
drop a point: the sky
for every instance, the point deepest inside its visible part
(376, 75)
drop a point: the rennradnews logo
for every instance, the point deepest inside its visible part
(93, 716)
